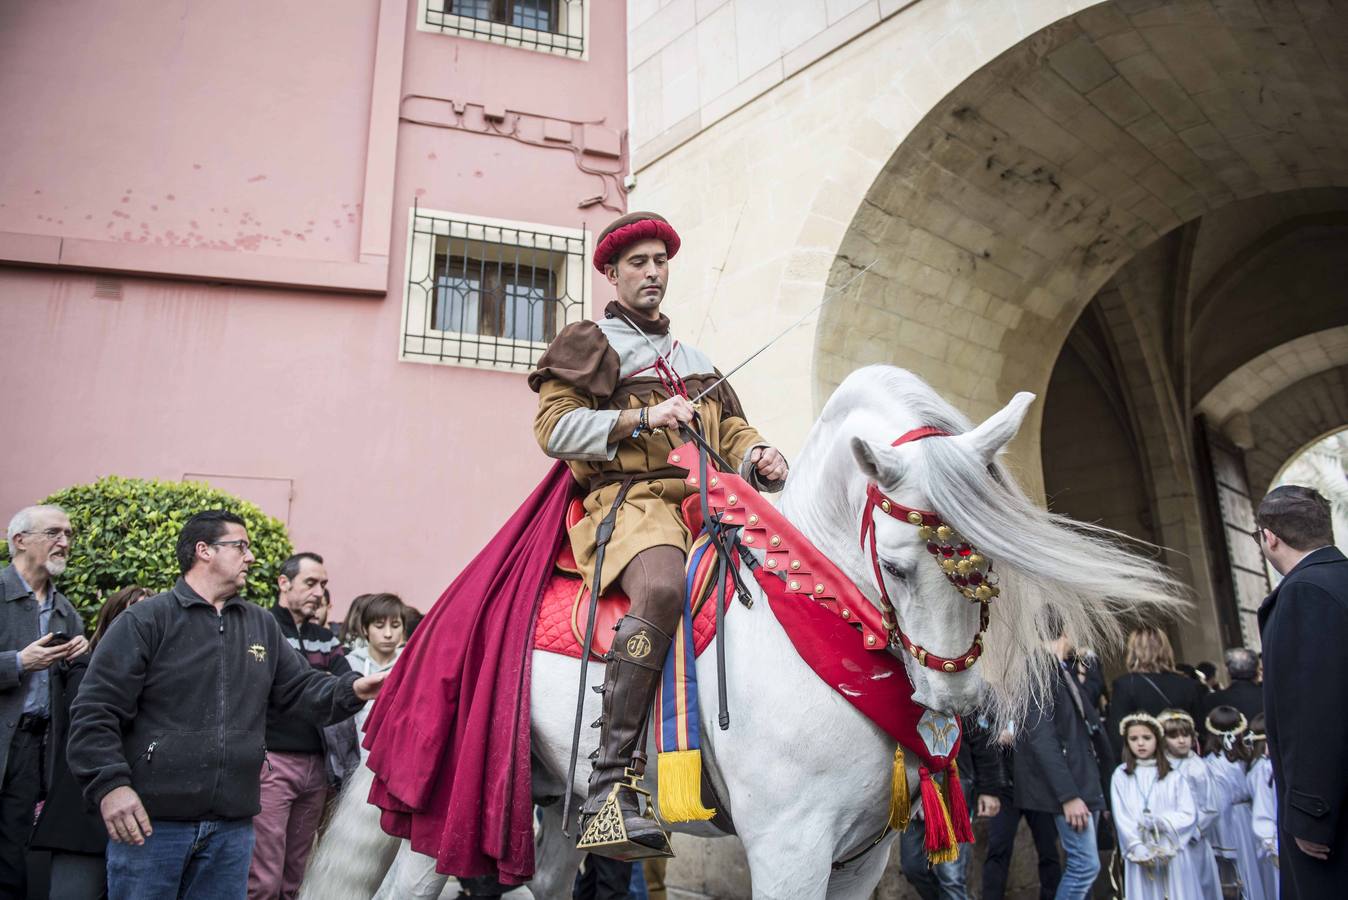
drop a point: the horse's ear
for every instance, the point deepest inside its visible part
(999, 428)
(876, 461)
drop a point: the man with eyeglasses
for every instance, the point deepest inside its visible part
(168, 732)
(39, 629)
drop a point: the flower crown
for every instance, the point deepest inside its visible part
(1175, 715)
(1240, 726)
(1137, 719)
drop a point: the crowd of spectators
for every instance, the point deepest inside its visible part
(1224, 832)
(188, 747)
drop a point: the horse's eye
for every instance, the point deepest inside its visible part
(892, 570)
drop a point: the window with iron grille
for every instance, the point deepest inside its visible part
(552, 26)
(487, 293)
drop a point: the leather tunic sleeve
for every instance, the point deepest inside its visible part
(581, 357)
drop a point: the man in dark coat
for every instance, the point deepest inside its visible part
(39, 632)
(1304, 627)
(1057, 770)
(1244, 692)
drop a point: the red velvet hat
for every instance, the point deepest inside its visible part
(628, 230)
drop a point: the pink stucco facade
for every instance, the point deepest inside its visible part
(204, 215)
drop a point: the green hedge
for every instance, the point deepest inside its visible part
(126, 531)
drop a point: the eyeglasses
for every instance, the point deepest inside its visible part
(53, 534)
(241, 545)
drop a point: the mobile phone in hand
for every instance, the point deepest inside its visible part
(58, 638)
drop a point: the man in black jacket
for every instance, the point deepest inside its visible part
(1244, 692)
(1304, 627)
(167, 730)
(295, 780)
(1057, 771)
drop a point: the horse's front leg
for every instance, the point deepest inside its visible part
(792, 860)
(857, 880)
(556, 859)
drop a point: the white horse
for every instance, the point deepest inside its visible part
(805, 776)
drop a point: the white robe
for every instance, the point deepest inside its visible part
(1155, 819)
(1264, 821)
(1235, 833)
(1199, 850)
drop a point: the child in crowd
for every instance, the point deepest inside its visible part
(378, 641)
(1228, 755)
(1154, 815)
(1181, 740)
(1264, 807)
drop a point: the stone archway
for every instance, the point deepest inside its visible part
(1022, 192)
(1133, 155)
(1195, 315)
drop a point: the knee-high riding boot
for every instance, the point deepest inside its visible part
(630, 681)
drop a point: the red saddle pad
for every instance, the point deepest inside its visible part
(565, 607)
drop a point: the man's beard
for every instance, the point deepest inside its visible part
(55, 566)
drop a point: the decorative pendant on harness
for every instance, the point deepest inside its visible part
(967, 570)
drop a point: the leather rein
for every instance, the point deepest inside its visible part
(964, 567)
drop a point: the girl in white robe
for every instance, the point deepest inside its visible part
(1264, 809)
(1181, 740)
(1228, 758)
(1154, 816)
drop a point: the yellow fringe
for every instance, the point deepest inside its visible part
(679, 786)
(899, 811)
(952, 851)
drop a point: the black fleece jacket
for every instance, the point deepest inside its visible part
(175, 702)
(319, 648)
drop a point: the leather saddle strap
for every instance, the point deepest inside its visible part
(715, 531)
(602, 537)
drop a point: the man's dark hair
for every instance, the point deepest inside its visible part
(291, 567)
(205, 526)
(1242, 664)
(1298, 515)
(1207, 670)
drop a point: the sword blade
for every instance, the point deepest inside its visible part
(809, 312)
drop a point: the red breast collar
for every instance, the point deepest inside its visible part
(807, 573)
(963, 566)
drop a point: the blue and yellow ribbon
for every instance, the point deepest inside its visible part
(679, 738)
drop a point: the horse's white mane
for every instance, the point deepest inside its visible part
(1045, 561)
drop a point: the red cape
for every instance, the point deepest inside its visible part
(449, 734)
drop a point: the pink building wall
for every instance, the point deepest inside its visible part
(244, 174)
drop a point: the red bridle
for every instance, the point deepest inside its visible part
(962, 565)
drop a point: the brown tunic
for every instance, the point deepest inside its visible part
(590, 373)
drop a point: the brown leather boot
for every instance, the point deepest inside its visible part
(630, 681)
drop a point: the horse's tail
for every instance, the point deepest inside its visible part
(354, 853)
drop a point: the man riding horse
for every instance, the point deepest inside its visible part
(610, 394)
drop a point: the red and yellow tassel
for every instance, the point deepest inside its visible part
(959, 807)
(941, 845)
